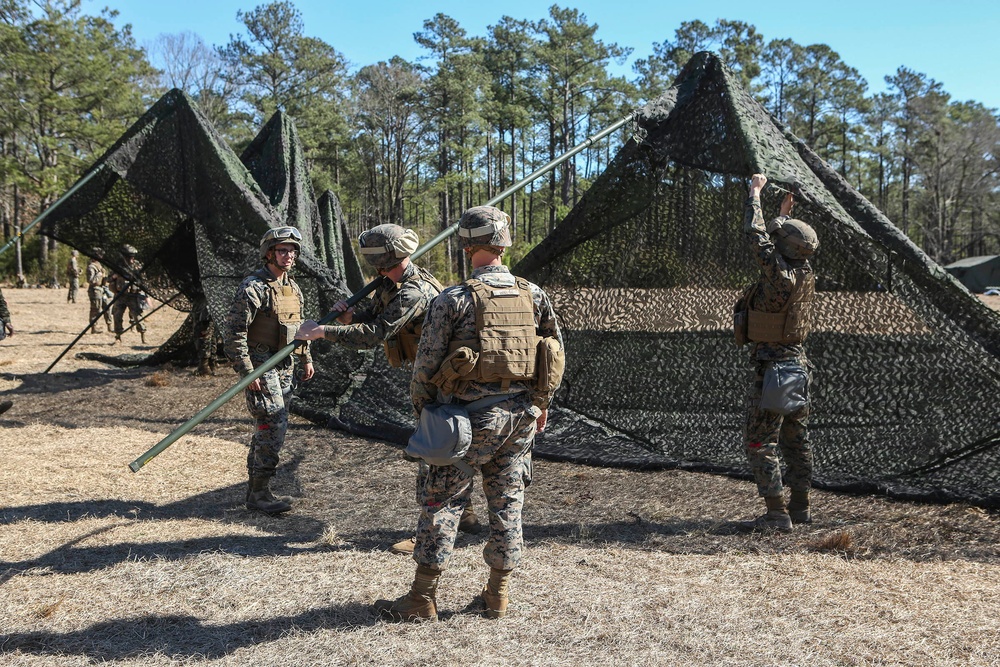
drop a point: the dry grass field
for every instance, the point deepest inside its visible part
(99, 565)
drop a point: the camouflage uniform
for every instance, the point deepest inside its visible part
(502, 435)
(269, 407)
(97, 294)
(131, 297)
(4, 311)
(205, 338)
(73, 276)
(766, 432)
(393, 307)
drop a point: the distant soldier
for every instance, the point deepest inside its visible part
(6, 329)
(97, 290)
(392, 318)
(73, 277)
(205, 338)
(479, 347)
(125, 285)
(263, 319)
(780, 307)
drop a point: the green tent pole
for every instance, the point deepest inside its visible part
(280, 355)
(79, 184)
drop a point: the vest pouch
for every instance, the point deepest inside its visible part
(392, 352)
(286, 333)
(443, 436)
(455, 369)
(550, 365)
(741, 316)
(786, 388)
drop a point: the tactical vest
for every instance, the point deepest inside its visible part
(507, 340)
(402, 348)
(276, 328)
(792, 324)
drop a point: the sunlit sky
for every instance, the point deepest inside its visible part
(956, 43)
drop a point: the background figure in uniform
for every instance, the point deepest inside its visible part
(73, 276)
(125, 285)
(205, 338)
(780, 305)
(478, 348)
(392, 318)
(97, 290)
(6, 329)
(263, 319)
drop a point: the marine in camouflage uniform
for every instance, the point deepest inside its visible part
(73, 277)
(780, 248)
(6, 329)
(393, 317)
(255, 305)
(97, 290)
(206, 338)
(129, 295)
(502, 433)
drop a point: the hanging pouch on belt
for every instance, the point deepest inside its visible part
(786, 387)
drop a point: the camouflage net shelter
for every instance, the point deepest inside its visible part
(171, 187)
(644, 272)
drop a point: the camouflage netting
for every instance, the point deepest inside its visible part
(172, 188)
(643, 273)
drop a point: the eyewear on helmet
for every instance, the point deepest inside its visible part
(286, 232)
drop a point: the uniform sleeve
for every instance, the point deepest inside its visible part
(245, 306)
(409, 303)
(772, 264)
(92, 273)
(431, 351)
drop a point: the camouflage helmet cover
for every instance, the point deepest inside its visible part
(484, 225)
(385, 246)
(793, 238)
(273, 237)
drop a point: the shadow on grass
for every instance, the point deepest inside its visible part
(181, 637)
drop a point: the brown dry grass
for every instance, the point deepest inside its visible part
(100, 565)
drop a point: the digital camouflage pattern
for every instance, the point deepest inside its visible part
(766, 433)
(394, 307)
(73, 278)
(501, 441)
(130, 296)
(502, 435)
(206, 336)
(268, 407)
(97, 294)
(452, 316)
(4, 311)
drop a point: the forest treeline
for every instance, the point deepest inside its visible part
(415, 143)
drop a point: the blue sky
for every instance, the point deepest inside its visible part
(955, 43)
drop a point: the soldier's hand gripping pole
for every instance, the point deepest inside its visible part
(355, 298)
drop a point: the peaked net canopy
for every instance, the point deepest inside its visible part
(171, 187)
(644, 271)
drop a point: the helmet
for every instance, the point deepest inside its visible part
(273, 237)
(793, 238)
(96, 252)
(129, 250)
(484, 225)
(385, 246)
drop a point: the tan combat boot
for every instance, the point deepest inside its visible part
(798, 507)
(404, 547)
(417, 605)
(776, 518)
(142, 337)
(204, 368)
(259, 497)
(494, 594)
(469, 523)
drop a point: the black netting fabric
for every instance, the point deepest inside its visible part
(645, 269)
(171, 187)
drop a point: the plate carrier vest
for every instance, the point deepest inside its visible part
(402, 348)
(276, 328)
(792, 324)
